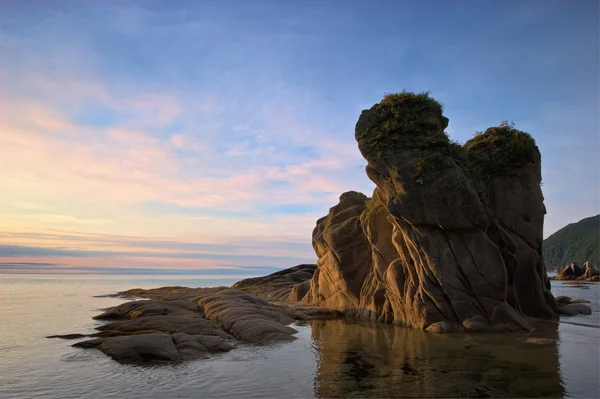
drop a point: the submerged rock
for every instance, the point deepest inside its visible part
(68, 336)
(539, 341)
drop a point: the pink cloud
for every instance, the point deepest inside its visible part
(95, 178)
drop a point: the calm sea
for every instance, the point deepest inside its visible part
(330, 359)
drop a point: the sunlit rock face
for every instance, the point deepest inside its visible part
(451, 238)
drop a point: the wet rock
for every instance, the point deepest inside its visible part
(181, 323)
(68, 336)
(248, 317)
(575, 300)
(157, 348)
(562, 300)
(539, 341)
(195, 346)
(574, 309)
(168, 324)
(565, 300)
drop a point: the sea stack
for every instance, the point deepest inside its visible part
(451, 238)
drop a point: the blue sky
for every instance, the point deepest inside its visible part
(208, 124)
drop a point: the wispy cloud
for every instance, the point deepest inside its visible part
(197, 129)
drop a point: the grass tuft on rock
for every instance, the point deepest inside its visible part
(499, 150)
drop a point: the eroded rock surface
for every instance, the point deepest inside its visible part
(277, 285)
(180, 323)
(451, 238)
(157, 347)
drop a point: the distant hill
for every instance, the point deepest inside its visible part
(577, 241)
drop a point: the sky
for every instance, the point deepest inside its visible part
(209, 136)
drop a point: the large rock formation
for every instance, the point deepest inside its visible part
(451, 238)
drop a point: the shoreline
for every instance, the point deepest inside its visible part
(173, 324)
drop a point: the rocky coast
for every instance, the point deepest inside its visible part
(450, 241)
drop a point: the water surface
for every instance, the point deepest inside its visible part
(329, 359)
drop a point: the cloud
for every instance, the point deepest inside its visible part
(14, 251)
(219, 273)
(237, 132)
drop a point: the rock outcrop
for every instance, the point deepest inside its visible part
(179, 323)
(573, 271)
(277, 285)
(451, 238)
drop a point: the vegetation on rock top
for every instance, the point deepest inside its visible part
(414, 121)
(404, 120)
(500, 149)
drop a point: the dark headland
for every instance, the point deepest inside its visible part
(449, 241)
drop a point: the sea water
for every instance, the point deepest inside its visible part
(329, 358)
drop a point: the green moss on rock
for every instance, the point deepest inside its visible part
(431, 162)
(499, 150)
(403, 120)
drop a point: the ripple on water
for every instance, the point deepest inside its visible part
(329, 358)
(81, 356)
(10, 347)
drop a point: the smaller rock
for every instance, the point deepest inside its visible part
(562, 300)
(278, 285)
(570, 272)
(590, 272)
(539, 341)
(91, 343)
(147, 348)
(441, 327)
(565, 300)
(575, 300)
(68, 336)
(476, 324)
(573, 271)
(574, 309)
(157, 347)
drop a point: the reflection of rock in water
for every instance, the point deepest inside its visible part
(360, 369)
(375, 360)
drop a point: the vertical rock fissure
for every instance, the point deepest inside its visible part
(467, 282)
